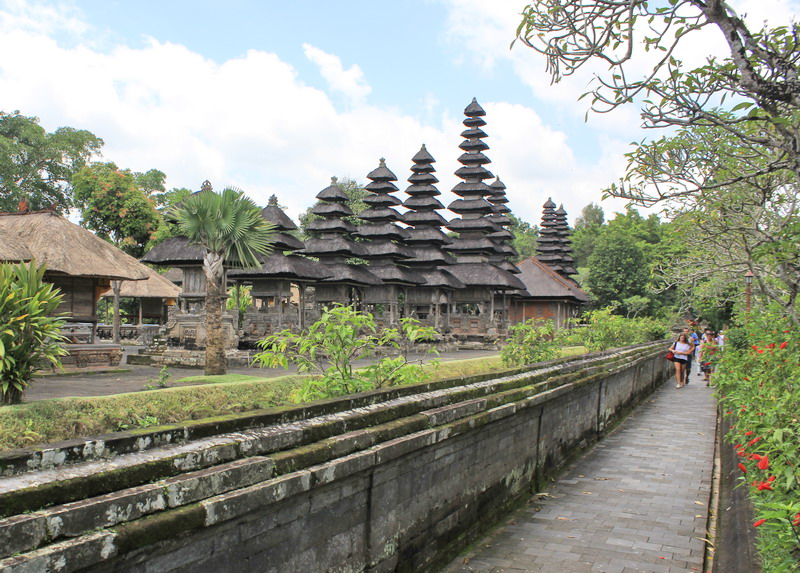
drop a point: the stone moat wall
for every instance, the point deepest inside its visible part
(393, 480)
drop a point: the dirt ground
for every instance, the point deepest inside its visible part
(100, 381)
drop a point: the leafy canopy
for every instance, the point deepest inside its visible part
(115, 206)
(38, 166)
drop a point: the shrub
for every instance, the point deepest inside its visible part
(530, 341)
(339, 338)
(759, 385)
(29, 334)
(607, 330)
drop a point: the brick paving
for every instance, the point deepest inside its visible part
(637, 502)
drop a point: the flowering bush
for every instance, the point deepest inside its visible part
(759, 384)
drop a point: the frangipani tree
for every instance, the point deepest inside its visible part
(231, 229)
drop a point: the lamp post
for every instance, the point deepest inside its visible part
(748, 279)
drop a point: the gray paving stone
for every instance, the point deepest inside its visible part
(629, 505)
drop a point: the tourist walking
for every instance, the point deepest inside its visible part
(682, 349)
(691, 338)
(708, 348)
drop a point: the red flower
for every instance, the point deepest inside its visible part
(764, 463)
(741, 467)
(796, 521)
(754, 347)
(759, 522)
(771, 479)
(783, 345)
(748, 433)
(764, 485)
(753, 441)
(760, 351)
(771, 345)
(756, 457)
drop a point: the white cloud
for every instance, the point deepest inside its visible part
(349, 82)
(252, 122)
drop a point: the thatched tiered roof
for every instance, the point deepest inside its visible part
(64, 247)
(155, 286)
(553, 244)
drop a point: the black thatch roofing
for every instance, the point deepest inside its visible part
(357, 275)
(484, 274)
(277, 217)
(484, 224)
(392, 274)
(286, 242)
(323, 209)
(428, 257)
(175, 251)
(423, 202)
(474, 172)
(423, 218)
(379, 215)
(440, 278)
(461, 206)
(333, 192)
(387, 249)
(472, 245)
(279, 266)
(339, 226)
(384, 231)
(429, 236)
(542, 282)
(333, 246)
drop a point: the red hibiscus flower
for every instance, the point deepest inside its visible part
(783, 345)
(796, 521)
(764, 463)
(759, 522)
(748, 433)
(764, 485)
(741, 467)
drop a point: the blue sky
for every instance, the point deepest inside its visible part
(277, 97)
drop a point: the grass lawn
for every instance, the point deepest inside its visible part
(47, 421)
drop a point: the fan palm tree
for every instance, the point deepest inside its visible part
(231, 229)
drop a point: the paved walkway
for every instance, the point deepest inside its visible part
(637, 502)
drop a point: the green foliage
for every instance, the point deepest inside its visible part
(38, 166)
(339, 338)
(525, 237)
(605, 330)
(115, 207)
(161, 382)
(229, 225)
(759, 385)
(530, 341)
(618, 269)
(29, 334)
(240, 300)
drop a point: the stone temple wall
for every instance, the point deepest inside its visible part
(393, 480)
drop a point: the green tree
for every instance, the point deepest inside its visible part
(340, 337)
(29, 333)
(618, 269)
(591, 216)
(230, 228)
(115, 207)
(240, 300)
(151, 182)
(588, 226)
(38, 166)
(525, 237)
(165, 203)
(758, 78)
